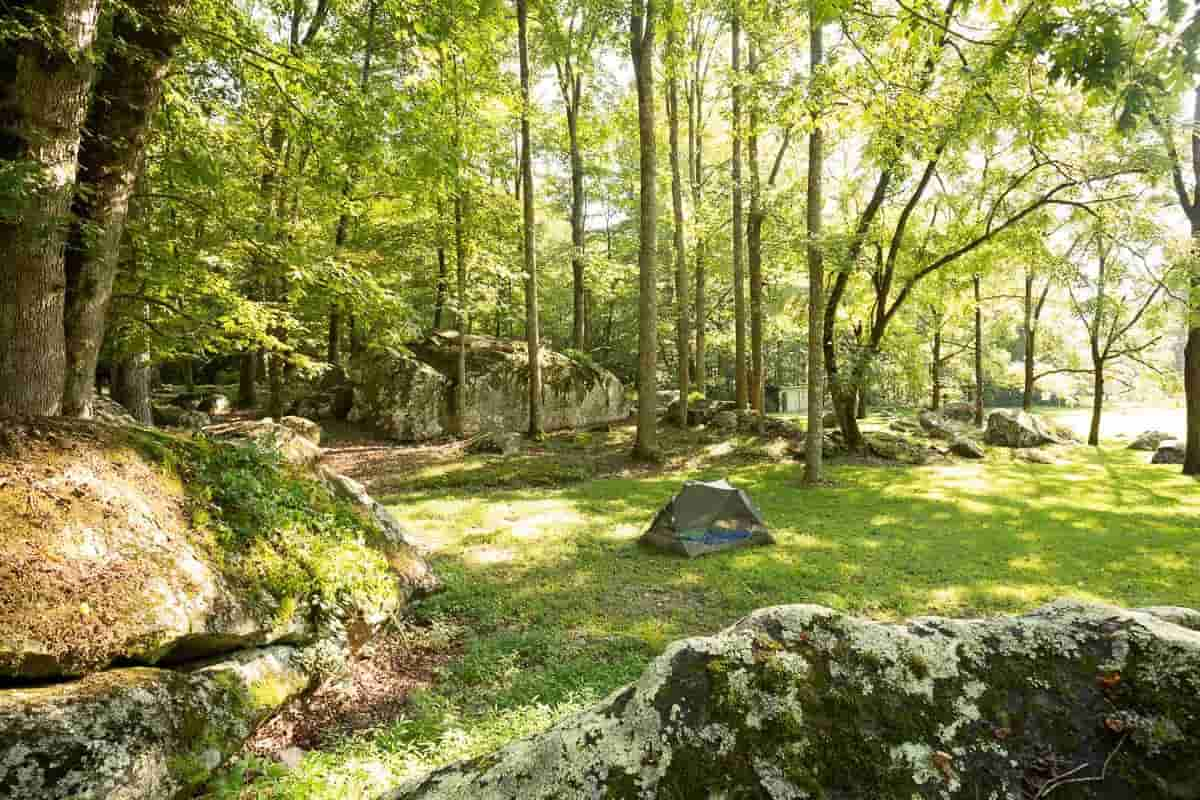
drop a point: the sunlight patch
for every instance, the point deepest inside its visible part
(487, 555)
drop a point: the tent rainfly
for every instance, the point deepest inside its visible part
(705, 518)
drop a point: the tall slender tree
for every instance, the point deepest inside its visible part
(815, 435)
(700, 51)
(532, 334)
(642, 24)
(741, 390)
(682, 293)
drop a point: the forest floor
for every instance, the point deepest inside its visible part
(550, 603)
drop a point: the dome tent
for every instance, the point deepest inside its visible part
(706, 517)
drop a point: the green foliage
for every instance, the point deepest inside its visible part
(273, 526)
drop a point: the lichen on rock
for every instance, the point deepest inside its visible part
(805, 702)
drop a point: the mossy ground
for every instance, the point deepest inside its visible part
(558, 605)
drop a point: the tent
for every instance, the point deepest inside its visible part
(705, 518)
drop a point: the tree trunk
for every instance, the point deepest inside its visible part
(531, 285)
(1097, 403)
(642, 23)
(741, 390)
(334, 354)
(696, 179)
(978, 354)
(683, 332)
(1191, 362)
(578, 234)
(936, 370)
(131, 387)
(248, 380)
(44, 91)
(275, 372)
(126, 97)
(341, 232)
(754, 260)
(458, 418)
(1027, 394)
(814, 471)
(439, 301)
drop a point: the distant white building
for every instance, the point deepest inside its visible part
(793, 399)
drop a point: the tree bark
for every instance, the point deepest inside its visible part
(1027, 394)
(248, 380)
(458, 418)
(131, 386)
(1191, 357)
(682, 293)
(531, 286)
(642, 25)
(754, 227)
(1097, 402)
(44, 87)
(936, 370)
(814, 471)
(695, 98)
(578, 234)
(110, 158)
(741, 390)
(978, 353)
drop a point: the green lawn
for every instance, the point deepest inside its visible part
(554, 604)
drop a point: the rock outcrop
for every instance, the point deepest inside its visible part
(142, 733)
(1171, 451)
(959, 411)
(1008, 428)
(411, 396)
(158, 593)
(297, 439)
(1149, 441)
(803, 701)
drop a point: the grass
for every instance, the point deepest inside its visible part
(558, 605)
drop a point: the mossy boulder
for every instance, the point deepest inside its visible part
(122, 544)
(411, 396)
(1013, 428)
(142, 733)
(806, 702)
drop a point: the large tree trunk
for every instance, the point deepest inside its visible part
(439, 300)
(815, 434)
(131, 386)
(44, 87)
(754, 227)
(110, 158)
(531, 284)
(683, 332)
(978, 354)
(741, 390)
(642, 23)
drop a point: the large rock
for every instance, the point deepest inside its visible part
(959, 411)
(894, 447)
(297, 439)
(1171, 451)
(965, 447)
(937, 426)
(806, 702)
(106, 557)
(1010, 428)
(142, 733)
(402, 398)
(1149, 441)
(410, 397)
